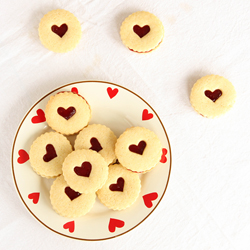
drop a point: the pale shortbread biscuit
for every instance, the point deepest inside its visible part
(212, 96)
(138, 149)
(85, 170)
(99, 138)
(60, 31)
(48, 152)
(142, 32)
(67, 202)
(67, 113)
(121, 189)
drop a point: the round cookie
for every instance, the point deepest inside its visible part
(99, 138)
(48, 152)
(138, 149)
(67, 113)
(142, 32)
(212, 96)
(67, 202)
(121, 189)
(60, 31)
(85, 170)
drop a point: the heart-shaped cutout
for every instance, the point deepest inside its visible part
(50, 153)
(138, 149)
(112, 92)
(141, 31)
(23, 156)
(72, 194)
(34, 197)
(40, 117)
(66, 113)
(70, 226)
(84, 170)
(148, 198)
(213, 95)
(114, 223)
(118, 186)
(60, 31)
(95, 144)
(163, 156)
(146, 115)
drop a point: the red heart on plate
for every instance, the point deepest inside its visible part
(112, 92)
(34, 197)
(148, 198)
(39, 118)
(146, 115)
(74, 90)
(70, 225)
(114, 223)
(23, 156)
(163, 156)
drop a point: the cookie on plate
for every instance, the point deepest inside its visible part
(67, 112)
(85, 170)
(121, 189)
(98, 138)
(212, 96)
(138, 149)
(67, 202)
(142, 32)
(48, 152)
(60, 31)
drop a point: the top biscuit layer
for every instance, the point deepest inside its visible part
(138, 149)
(212, 96)
(67, 113)
(60, 31)
(137, 23)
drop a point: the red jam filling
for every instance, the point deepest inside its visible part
(60, 31)
(50, 153)
(66, 113)
(95, 144)
(146, 51)
(213, 95)
(118, 186)
(72, 194)
(84, 170)
(138, 149)
(141, 31)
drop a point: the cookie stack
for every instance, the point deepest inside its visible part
(97, 164)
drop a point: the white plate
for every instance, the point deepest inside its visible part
(117, 108)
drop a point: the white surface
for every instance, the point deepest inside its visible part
(207, 202)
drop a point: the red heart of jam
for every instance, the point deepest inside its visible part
(72, 194)
(95, 144)
(118, 186)
(141, 31)
(60, 31)
(50, 153)
(84, 170)
(66, 113)
(213, 95)
(138, 149)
